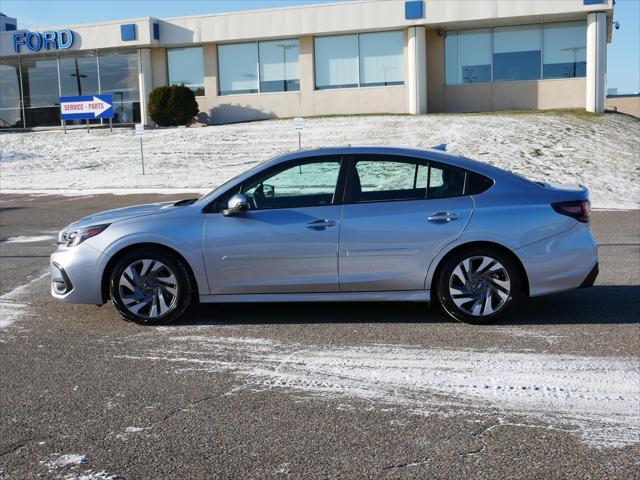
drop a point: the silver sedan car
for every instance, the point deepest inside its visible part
(338, 224)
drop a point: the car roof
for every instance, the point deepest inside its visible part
(432, 154)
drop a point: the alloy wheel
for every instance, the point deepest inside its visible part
(480, 286)
(148, 288)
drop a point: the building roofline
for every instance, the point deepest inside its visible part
(203, 15)
(273, 9)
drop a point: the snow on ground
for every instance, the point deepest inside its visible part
(597, 398)
(72, 462)
(27, 239)
(56, 461)
(91, 475)
(601, 152)
(15, 304)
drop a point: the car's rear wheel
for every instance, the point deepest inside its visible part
(150, 286)
(479, 285)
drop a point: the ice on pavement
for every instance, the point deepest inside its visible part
(596, 397)
(601, 152)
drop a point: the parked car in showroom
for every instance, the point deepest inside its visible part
(338, 224)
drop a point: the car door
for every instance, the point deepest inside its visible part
(287, 241)
(398, 212)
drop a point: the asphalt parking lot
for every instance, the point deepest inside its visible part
(314, 391)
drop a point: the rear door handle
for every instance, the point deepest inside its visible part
(442, 217)
(320, 224)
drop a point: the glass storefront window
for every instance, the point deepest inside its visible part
(186, 67)
(46, 78)
(468, 56)
(279, 66)
(41, 91)
(381, 58)
(119, 76)
(475, 56)
(565, 50)
(516, 53)
(451, 64)
(40, 81)
(336, 61)
(79, 75)
(238, 68)
(10, 97)
(525, 52)
(365, 60)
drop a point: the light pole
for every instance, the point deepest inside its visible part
(78, 77)
(575, 51)
(284, 48)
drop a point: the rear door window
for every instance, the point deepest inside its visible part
(378, 178)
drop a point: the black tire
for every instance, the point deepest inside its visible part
(461, 313)
(171, 264)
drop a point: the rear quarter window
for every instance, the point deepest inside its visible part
(477, 183)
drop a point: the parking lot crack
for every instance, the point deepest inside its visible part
(14, 447)
(405, 465)
(184, 408)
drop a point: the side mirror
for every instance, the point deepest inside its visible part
(237, 204)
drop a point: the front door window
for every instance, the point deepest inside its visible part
(307, 184)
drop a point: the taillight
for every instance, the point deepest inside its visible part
(580, 209)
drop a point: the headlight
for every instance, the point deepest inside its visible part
(71, 238)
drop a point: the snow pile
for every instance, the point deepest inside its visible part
(601, 152)
(596, 397)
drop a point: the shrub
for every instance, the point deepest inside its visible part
(172, 105)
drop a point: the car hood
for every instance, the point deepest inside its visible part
(111, 216)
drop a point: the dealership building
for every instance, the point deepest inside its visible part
(358, 57)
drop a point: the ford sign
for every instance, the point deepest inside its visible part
(36, 41)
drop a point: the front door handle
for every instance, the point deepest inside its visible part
(320, 224)
(442, 217)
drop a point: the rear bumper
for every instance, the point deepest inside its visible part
(591, 277)
(565, 261)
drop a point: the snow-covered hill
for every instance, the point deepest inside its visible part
(601, 152)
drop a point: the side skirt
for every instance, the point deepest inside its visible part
(401, 296)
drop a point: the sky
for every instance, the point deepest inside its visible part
(623, 62)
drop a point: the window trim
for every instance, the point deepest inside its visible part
(338, 193)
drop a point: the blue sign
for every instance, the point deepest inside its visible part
(49, 40)
(413, 9)
(86, 107)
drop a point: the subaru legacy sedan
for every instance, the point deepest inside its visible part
(338, 224)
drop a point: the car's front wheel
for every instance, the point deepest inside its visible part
(478, 286)
(150, 286)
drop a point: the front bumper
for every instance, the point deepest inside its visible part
(76, 274)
